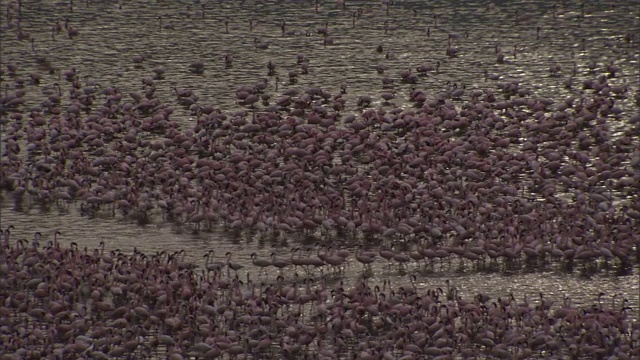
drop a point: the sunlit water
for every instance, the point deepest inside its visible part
(110, 36)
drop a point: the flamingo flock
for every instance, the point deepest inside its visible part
(70, 303)
(484, 177)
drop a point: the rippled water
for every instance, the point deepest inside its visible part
(110, 36)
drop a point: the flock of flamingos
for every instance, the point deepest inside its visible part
(490, 179)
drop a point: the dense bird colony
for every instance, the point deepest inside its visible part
(489, 176)
(67, 303)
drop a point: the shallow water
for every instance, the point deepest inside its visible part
(109, 37)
